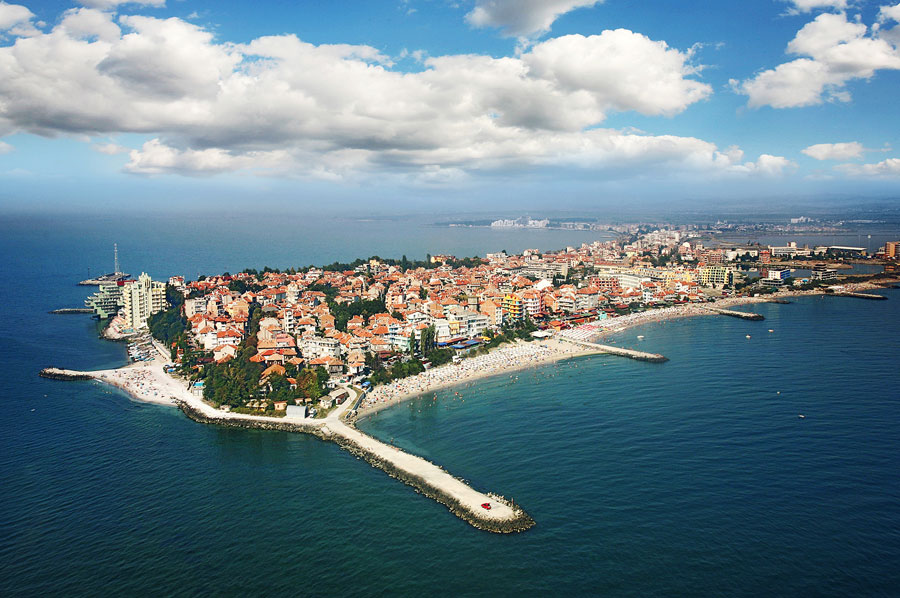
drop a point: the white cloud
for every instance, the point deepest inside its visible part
(13, 14)
(834, 51)
(522, 18)
(16, 19)
(805, 6)
(889, 168)
(835, 151)
(110, 149)
(5, 148)
(111, 4)
(280, 106)
(889, 13)
(766, 166)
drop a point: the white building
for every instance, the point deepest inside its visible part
(142, 299)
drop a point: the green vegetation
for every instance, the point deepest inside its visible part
(170, 326)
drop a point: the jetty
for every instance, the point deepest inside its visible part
(483, 510)
(629, 353)
(72, 310)
(61, 374)
(870, 296)
(744, 315)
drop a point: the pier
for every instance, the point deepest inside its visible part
(629, 353)
(72, 310)
(870, 296)
(744, 315)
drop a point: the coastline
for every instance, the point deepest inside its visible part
(486, 511)
(425, 383)
(503, 361)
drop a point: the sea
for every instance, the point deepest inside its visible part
(761, 460)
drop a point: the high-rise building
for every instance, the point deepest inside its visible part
(891, 249)
(107, 301)
(143, 298)
(513, 309)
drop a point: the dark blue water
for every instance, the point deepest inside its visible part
(694, 477)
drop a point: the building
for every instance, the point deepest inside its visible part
(821, 272)
(141, 299)
(776, 277)
(892, 249)
(107, 301)
(513, 309)
(714, 276)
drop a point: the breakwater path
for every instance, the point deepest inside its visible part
(485, 511)
(744, 315)
(629, 353)
(870, 296)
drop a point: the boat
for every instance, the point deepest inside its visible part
(770, 330)
(748, 336)
(640, 337)
(801, 416)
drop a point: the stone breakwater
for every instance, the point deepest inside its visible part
(744, 315)
(60, 374)
(629, 353)
(870, 296)
(520, 520)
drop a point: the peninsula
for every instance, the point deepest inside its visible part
(312, 349)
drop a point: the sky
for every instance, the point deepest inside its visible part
(438, 104)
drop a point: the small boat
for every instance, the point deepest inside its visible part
(801, 416)
(748, 336)
(770, 330)
(640, 337)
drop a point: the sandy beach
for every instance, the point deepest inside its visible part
(532, 354)
(501, 360)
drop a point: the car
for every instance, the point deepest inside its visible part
(486, 505)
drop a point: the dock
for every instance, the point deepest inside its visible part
(744, 315)
(870, 296)
(629, 353)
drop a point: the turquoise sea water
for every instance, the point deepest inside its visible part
(693, 477)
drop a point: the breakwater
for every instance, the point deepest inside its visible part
(629, 353)
(744, 315)
(484, 511)
(72, 310)
(870, 296)
(60, 374)
(426, 478)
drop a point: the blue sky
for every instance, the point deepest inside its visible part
(508, 103)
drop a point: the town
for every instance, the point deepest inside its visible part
(276, 342)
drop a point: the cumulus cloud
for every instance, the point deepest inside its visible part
(278, 105)
(112, 4)
(13, 14)
(889, 168)
(833, 52)
(5, 148)
(522, 18)
(835, 151)
(806, 6)
(16, 20)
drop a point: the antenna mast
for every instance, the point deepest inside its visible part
(116, 256)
